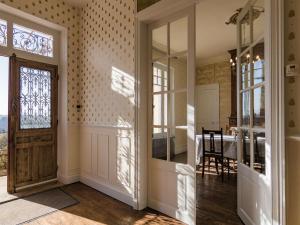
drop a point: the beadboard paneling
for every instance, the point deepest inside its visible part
(107, 160)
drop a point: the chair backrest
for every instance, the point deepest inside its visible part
(211, 135)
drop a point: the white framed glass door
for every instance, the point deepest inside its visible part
(254, 116)
(171, 158)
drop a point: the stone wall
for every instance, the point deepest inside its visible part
(218, 73)
(3, 162)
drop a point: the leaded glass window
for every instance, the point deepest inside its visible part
(32, 41)
(35, 98)
(3, 33)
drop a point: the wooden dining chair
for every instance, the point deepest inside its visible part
(212, 151)
(259, 157)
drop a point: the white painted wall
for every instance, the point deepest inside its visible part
(208, 102)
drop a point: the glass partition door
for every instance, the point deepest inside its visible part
(171, 158)
(253, 91)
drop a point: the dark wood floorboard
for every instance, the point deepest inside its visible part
(217, 201)
(216, 205)
(96, 208)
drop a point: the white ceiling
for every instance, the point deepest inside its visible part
(77, 2)
(213, 37)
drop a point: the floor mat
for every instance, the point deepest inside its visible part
(26, 209)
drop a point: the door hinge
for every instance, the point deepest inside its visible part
(57, 122)
(57, 76)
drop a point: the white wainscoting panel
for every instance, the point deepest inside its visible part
(107, 160)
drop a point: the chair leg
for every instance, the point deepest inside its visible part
(222, 165)
(203, 165)
(216, 163)
(228, 161)
(209, 163)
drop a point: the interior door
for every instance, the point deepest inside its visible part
(208, 115)
(171, 159)
(254, 116)
(32, 123)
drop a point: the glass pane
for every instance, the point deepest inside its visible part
(245, 70)
(178, 104)
(258, 19)
(32, 41)
(179, 35)
(159, 144)
(157, 110)
(159, 42)
(35, 98)
(3, 33)
(245, 112)
(142, 4)
(160, 76)
(245, 31)
(258, 63)
(178, 72)
(178, 145)
(259, 152)
(259, 107)
(246, 147)
(4, 74)
(160, 112)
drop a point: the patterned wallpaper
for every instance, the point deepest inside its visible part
(291, 56)
(101, 77)
(61, 13)
(107, 63)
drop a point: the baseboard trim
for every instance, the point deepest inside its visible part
(108, 190)
(69, 179)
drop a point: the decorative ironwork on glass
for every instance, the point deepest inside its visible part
(3, 33)
(35, 98)
(32, 41)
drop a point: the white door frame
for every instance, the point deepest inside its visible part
(276, 48)
(276, 8)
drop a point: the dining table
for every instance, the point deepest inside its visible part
(229, 146)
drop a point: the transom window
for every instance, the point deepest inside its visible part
(32, 41)
(3, 32)
(19, 35)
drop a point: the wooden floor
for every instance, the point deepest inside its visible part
(216, 205)
(217, 201)
(96, 208)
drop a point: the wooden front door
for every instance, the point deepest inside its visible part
(33, 97)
